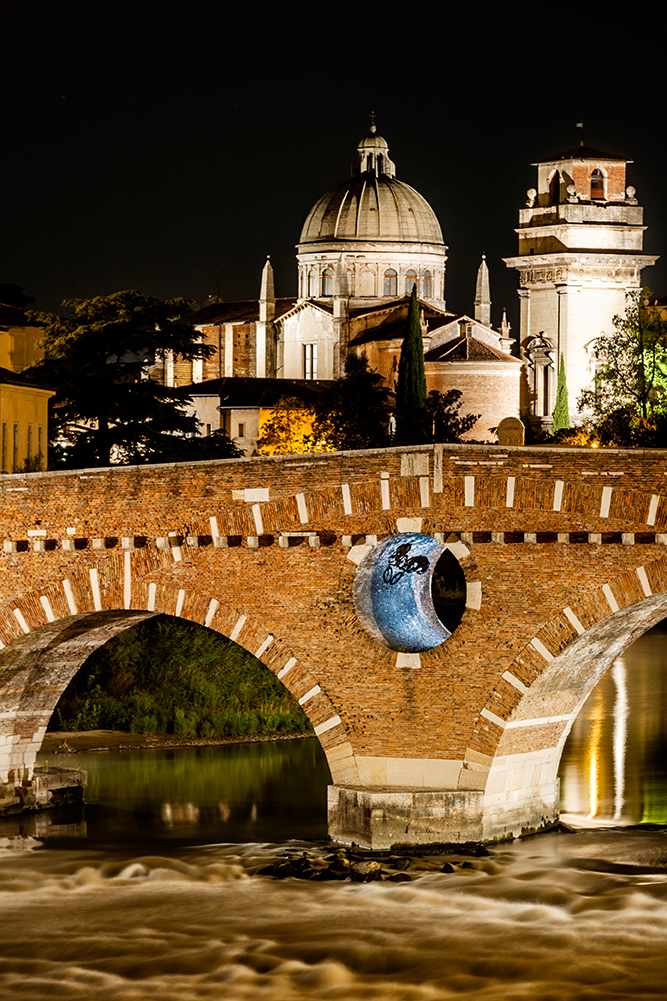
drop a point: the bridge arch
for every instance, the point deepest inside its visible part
(549, 684)
(37, 666)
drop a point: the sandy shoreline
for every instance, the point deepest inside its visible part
(63, 741)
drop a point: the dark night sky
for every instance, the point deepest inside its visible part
(171, 148)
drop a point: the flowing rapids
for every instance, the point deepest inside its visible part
(558, 917)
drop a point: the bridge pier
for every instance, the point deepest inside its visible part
(382, 818)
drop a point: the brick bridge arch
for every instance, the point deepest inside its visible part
(563, 553)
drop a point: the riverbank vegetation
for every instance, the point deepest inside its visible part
(169, 676)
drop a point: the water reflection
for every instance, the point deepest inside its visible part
(614, 764)
(194, 795)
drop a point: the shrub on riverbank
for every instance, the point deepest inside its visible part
(168, 676)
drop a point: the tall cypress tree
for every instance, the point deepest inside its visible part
(411, 388)
(561, 417)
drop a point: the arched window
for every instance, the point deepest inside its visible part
(428, 285)
(410, 281)
(312, 283)
(390, 282)
(554, 189)
(597, 184)
(327, 282)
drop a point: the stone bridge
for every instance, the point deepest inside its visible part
(560, 554)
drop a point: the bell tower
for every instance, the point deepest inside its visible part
(581, 238)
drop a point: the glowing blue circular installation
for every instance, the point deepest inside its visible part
(392, 593)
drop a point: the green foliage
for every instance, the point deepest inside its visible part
(354, 413)
(444, 423)
(561, 416)
(163, 676)
(96, 360)
(631, 373)
(287, 431)
(411, 386)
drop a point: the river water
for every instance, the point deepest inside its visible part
(154, 891)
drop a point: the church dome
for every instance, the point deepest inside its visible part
(372, 206)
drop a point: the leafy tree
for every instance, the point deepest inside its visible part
(444, 423)
(354, 412)
(96, 358)
(631, 363)
(287, 431)
(411, 386)
(561, 417)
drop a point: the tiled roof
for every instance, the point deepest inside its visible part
(466, 349)
(235, 312)
(582, 153)
(11, 316)
(9, 378)
(236, 391)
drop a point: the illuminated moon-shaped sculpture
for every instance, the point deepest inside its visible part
(393, 596)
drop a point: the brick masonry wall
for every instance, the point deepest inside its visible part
(554, 544)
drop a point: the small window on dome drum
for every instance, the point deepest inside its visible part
(597, 184)
(327, 282)
(312, 283)
(428, 285)
(390, 282)
(410, 282)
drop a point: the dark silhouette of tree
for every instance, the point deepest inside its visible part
(13, 295)
(411, 385)
(354, 412)
(444, 423)
(105, 408)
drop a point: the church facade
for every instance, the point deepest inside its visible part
(368, 241)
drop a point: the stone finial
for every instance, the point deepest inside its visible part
(505, 331)
(531, 195)
(483, 295)
(511, 431)
(630, 193)
(572, 195)
(267, 293)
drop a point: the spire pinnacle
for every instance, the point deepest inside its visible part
(483, 295)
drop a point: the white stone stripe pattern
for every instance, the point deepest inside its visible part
(541, 649)
(411, 660)
(514, 681)
(152, 592)
(609, 595)
(653, 509)
(469, 491)
(487, 714)
(301, 508)
(213, 522)
(212, 609)
(574, 620)
(424, 499)
(474, 594)
(606, 501)
(21, 621)
(265, 646)
(643, 580)
(67, 588)
(309, 695)
(347, 500)
(48, 611)
(327, 725)
(127, 580)
(236, 631)
(180, 601)
(257, 515)
(287, 668)
(95, 588)
(509, 499)
(541, 721)
(384, 492)
(558, 495)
